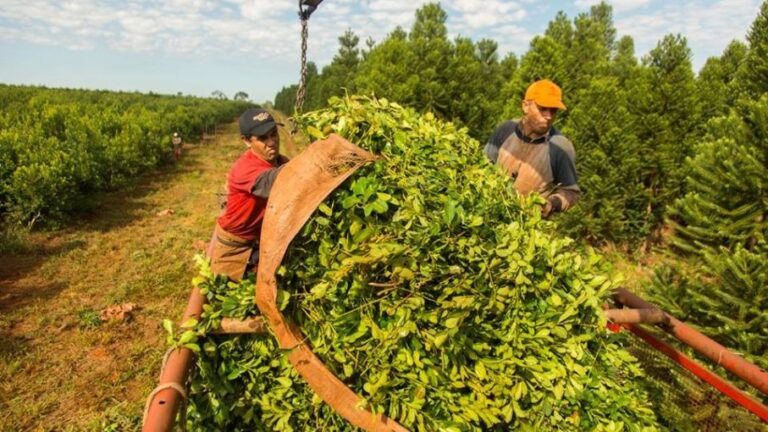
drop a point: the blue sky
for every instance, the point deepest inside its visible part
(198, 46)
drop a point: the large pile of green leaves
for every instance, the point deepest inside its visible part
(436, 294)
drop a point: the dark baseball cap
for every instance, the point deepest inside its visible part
(256, 122)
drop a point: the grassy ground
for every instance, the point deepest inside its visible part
(60, 367)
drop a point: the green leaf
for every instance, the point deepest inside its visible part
(440, 339)
(315, 132)
(188, 336)
(190, 323)
(452, 322)
(168, 326)
(283, 298)
(325, 209)
(480, 370)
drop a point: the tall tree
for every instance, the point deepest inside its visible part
(624, 65)
(338, 75)
(431, 51)
(716, 84)
(754, 71)
(721, 225)
(472, 80)
(386, 72)
(665, 107)
(591, 48)
(560, 29)
(610, 169)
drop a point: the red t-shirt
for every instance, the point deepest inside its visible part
(244, 212)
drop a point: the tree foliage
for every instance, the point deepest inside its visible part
(58, 146)
(720, 226)
(645, 126)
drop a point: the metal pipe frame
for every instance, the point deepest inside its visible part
(245, 326)
(712, 379)
(719, 354)
(162, 410)
(636, 316)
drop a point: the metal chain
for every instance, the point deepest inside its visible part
(301, 93)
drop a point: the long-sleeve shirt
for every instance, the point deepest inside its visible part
(545, 165)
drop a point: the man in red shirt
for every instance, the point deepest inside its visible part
(235, 242)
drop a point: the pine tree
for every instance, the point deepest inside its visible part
(591, 47)
(721, 225)
(610, 170)
(716, 83)
(727, 202)
(431, 51)
(472, 81)
(624, 65)
(337, 76)
(386, 70)
(754, 72)
(665, 107)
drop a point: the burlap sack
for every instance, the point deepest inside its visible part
(299, 188)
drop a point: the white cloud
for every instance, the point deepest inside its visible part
(511, 38)
(479, 14)
(393, 5)
(176, 26)
(618, 5)
(707, 26)
(268, 30)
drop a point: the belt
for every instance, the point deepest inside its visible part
(229, 243)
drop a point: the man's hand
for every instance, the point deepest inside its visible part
(554, 204)
(546, 210)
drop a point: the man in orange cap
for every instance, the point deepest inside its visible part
(534, 153)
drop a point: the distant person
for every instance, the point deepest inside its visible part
(177, 146)
(234, 247)
(535, 154)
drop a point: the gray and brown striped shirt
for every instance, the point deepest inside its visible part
(545, 165)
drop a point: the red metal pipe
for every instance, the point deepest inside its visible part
(162, 410)
(719, 354)
(650, 316)
(715, 381)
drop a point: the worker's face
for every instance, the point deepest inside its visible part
(538, 118)
(266, 146)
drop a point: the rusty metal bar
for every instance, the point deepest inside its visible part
(236, 326)
(734, 363)
(715, 381)
(164, 405)
(649, 316)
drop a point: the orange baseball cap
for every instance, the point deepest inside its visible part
(545, 93)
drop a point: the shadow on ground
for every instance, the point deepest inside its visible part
(115, 209)
(104, 212)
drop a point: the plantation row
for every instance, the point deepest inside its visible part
(58, 145)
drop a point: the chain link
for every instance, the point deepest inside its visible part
(301, 93)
